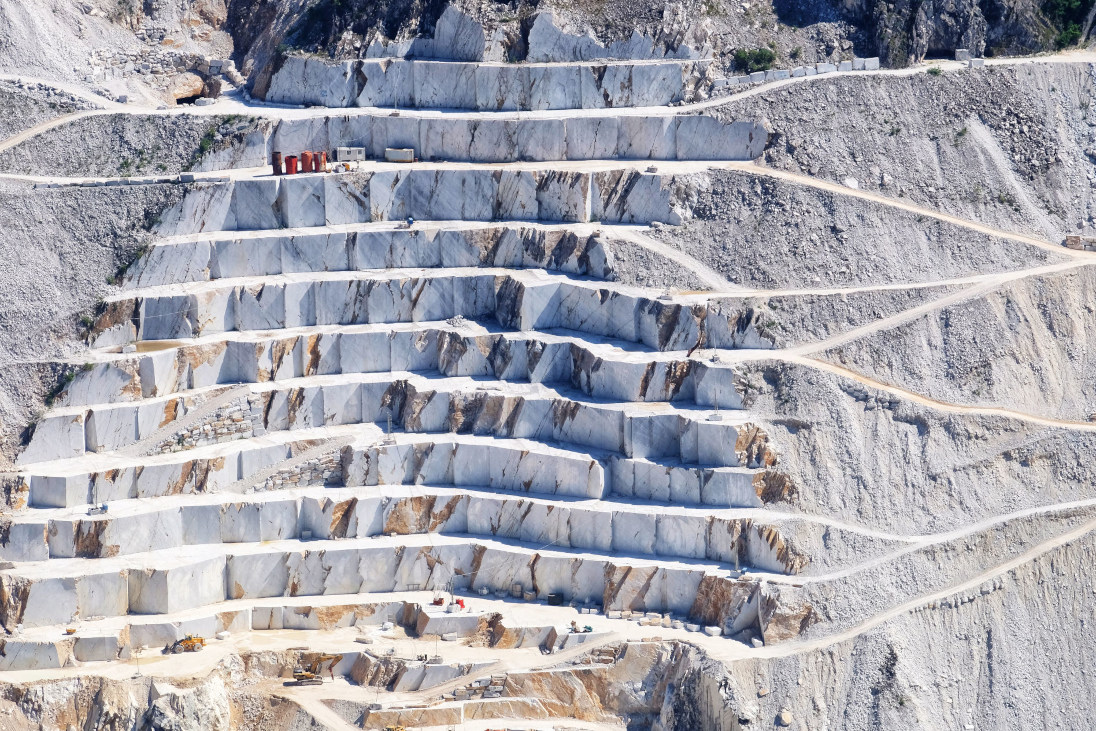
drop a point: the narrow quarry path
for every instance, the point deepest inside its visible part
(991, 283)
(799, 647)
(710, 277)
(949, 407)
(844, 190)
(49, 124)
(921, 542)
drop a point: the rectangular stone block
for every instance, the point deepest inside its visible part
(174, 588)
(301, 201)
(58, 492)
(656, 84)
(255, 204)
(647, 138)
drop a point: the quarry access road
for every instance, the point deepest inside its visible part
(793, 647)
(936, 404)
(929, 540)
(991, 283)
(837, 188)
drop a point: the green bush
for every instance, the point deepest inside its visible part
(1067, 16)
(1069, 35)
(759, 59)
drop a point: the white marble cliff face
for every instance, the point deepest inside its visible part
(429, 84)
(625, 196)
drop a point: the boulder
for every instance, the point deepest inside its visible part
(186, 84)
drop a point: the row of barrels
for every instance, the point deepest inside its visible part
(308, 162)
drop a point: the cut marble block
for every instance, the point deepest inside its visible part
(657, 84)
(59, 492)
(436, 621)
(679, 483)
(302, 201)
(55, 437)
(628, 196)
(705, 138)
(593, 138)
(256, 204)
(25, 542)
(27, 654)
(35, 601)
(497, 464)
(554, 87)
(96, 648)
(179, 585)
(652, 138)
(444, 84)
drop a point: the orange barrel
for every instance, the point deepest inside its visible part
(323, 161)
(276, 162)
(291, 165)
(306, 162)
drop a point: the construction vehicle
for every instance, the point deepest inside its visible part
(190, 643)
(394, 728)
(312, 675)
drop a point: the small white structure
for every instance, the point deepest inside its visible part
(399, 154)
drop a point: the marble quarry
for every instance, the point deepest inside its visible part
(296, 409)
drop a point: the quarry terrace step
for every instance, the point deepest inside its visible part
(361, 456)
(326, 513)
(499, 138)
(418, 402)
(432, 84)
(116, 638)
(162, 582)
(598, 367)
(574, 249)
(614, 193)
(516, 299)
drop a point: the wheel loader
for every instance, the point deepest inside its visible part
(190, 643)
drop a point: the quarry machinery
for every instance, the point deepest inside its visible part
(312, 675)
(190, 643)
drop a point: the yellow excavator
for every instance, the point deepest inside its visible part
(313, 674)
(190, 643)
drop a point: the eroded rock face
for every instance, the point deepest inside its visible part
(205, 707)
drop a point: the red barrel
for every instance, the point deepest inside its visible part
(323, 162)
(291, 165)
(276, 162)
(306, 162)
